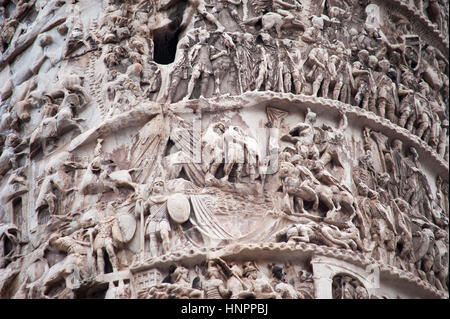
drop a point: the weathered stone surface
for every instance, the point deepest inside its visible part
(224, 149)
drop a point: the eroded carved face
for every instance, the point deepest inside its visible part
(311, 118)
(219, 128)
(158, 187)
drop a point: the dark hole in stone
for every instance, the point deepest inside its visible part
(169, 148)
(277, 272)
(196, 283)
(281, 238)
(167, 280)
(220, 171)
(184, 175)
(323, 209)
(108, 265)
(165, 39)
(7, 245)
(398, 249)
(17, 211)
(307, 204)
(43, 216)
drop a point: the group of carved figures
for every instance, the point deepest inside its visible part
(435, 10)
(233, 148)
(391, 215)
(218, 279)
(402, 80)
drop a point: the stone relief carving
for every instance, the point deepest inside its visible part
(147, 148)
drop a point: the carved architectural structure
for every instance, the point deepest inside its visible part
(224, 149)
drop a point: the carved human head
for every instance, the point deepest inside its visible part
(310, 117)
(12, 140)
(284, 156)
(363, 189)
(287, 43)
(363, 56)
(442, 65)
(72, 100)
(158, 186)
(372, 62)
(439, 234)
(265, 37)
(397, 144)
(219, 127)
(424, 87)
(286, 169)
(250, 271)
(304, 275)
(213, 271)
(413, 153)
(296, 159)
(53, 238)
(45, 39)
(334, 59)
(357, 65)
(203, 36)
(384, 65)
(402, 204)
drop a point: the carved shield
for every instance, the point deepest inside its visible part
(127, 228)
(179, 208)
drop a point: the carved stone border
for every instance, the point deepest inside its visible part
(286, 251)
(423, 26)
(320, 105)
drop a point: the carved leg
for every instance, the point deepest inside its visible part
(390, 112)
(228, 167)
(287, 81)
(153, 246)
(325, 87)
(421, 129)
(316, 84)
(372, 103)
(337, 90)
(427, 135)
(100, 261)
(297, 83)
(164, 233)
(359, 98)
(213, 168)
(299, 204)
(195, 75)
(204, 84)
(217, 76)
(112, 257)
(239, 171)
(382, 108)
(410, 123)
(404, 118)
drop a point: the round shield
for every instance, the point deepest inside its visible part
(179, 208)
(127, 225)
